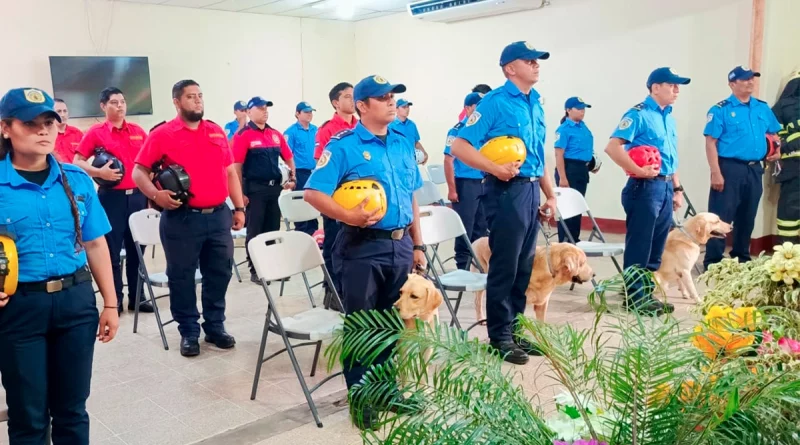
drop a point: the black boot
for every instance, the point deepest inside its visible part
(331, 302)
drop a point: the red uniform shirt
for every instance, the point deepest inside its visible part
(124, 143)
(67, 143)
(258, 150)
(204, 154)
(330, 128)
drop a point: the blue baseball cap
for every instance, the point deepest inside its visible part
(521, 50)
(375, 86)
(26, 104)
(666, 75)
(240, 105)
(577, 103)
(742, 73)
(304, 107)
(258, 101)
(403, 103)
(472, 99)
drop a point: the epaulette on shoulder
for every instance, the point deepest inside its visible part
(209, 120)
(759, 100)
(458, 126)
(242, 130)
(722, 103)
(638, 107)
(157, 125)
(324, 124)
(342, 134)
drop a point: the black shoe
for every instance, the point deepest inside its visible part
(254, 279)
(649, 307)
(222, 340)
(331, 302)
(190, 347)
(365, 420)
(510, 352)
(119, 309)
(144, 307)
(528, 347)
(402, 405)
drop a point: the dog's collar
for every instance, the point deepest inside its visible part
(683, 230)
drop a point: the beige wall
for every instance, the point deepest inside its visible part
(232, 56)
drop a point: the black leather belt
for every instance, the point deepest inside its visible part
(207, 210)
(57, 284)
(740, 161)
(516, 179)
(396, 234)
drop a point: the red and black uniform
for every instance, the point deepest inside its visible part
(121, 201)
(258, 151)
(199, 232)
(67, 143)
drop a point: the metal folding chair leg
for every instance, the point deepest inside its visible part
(458, 304)
(444, 292)
(236, 271)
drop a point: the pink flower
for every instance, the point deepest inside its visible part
(789, 345)
(767, 338)
(588, 442)
(559, 442)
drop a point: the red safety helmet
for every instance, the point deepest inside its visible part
(644, 155)
(773, 144)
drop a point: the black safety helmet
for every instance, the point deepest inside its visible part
(175, 179)
(101, 158)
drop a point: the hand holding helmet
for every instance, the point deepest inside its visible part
(507, 153)
(110, 168)
(365, 201)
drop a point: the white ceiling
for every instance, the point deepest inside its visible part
(350, 10)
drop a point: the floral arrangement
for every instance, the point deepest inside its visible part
(726, 331)
(569, 426)
(785, 264)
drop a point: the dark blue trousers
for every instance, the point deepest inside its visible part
(190, 238)
(308, 227)
(578, 177)
(470, 208)
(511, 209)
(331, 229)
(372, 272)
(737, 203)
(119, 206)
(263, 214)
(46, 351)
(648, 219)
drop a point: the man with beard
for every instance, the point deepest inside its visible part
(198, 232)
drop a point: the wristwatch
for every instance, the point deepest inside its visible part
(420, 248)
(678, 189)
(238, 209)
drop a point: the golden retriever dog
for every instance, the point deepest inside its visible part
(419, 298)
(683, 249)
(566, 263)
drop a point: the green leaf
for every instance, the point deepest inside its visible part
(733, 404)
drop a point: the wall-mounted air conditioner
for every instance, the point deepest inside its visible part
(449, 11)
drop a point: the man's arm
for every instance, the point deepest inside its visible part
(414, 231)
(561, 168)
(616, 152)
(235, 186)
(449, 175)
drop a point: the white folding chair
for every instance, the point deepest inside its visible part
(145, 232)
(277, 255)
(570, 203)
(236, 234)
(294, 210)
(437, 176)
(439, 224)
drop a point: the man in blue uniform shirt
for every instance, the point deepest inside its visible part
(233, 127)
(465, 189)
(735, 133)
(651, 193)
(372, 255)
(512, 192)
(301, 137)
(408, 128)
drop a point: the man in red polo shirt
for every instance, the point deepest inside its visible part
(122, 140)
(198, 232)
(256, 150)
(68, 136)
(341, 97)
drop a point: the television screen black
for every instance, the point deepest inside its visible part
(79, 81)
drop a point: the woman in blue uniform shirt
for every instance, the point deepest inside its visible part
(49, 325)
(574, 149)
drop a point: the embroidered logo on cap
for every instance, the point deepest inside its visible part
(379, 80)
(34, 96)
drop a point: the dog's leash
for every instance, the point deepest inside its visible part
(683, 230)
(547, 234)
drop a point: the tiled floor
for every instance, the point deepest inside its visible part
(142, 394)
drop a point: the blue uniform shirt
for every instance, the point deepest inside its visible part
(358, 154)
(460, 169)
(230, 128)
(302, 141)
(40, 218)
(576, 140)
(506, 111)
(740, 128)
(647, 124)
(407, 128)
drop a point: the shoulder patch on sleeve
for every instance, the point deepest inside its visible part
(709, 117)
(638, 107)
(341, 134)
(324, 158)
(722, 103)
(625, 123)
(450, 140)
(473, 118)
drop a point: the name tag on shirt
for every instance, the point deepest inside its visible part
(136, 138)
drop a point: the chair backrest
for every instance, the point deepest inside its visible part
(436, 173)
(289, 253)
(427, 194)
(570, 202)
(295, 209)
(439, 224)
(144, 226)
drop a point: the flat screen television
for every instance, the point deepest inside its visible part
(79, 81)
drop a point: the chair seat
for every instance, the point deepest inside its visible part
(463, 281)
(596, 249)
(237, 234)
(160, 279)
(315, 324)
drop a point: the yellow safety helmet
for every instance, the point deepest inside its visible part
(9, 265)
(504, 149)
(352, 193)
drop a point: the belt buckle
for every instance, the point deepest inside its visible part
(129, 191)
(397, 234)
(54, 286)
(206, 211)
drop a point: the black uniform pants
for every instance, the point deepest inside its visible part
(263, 213)
(119, 205)
(578, 178)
